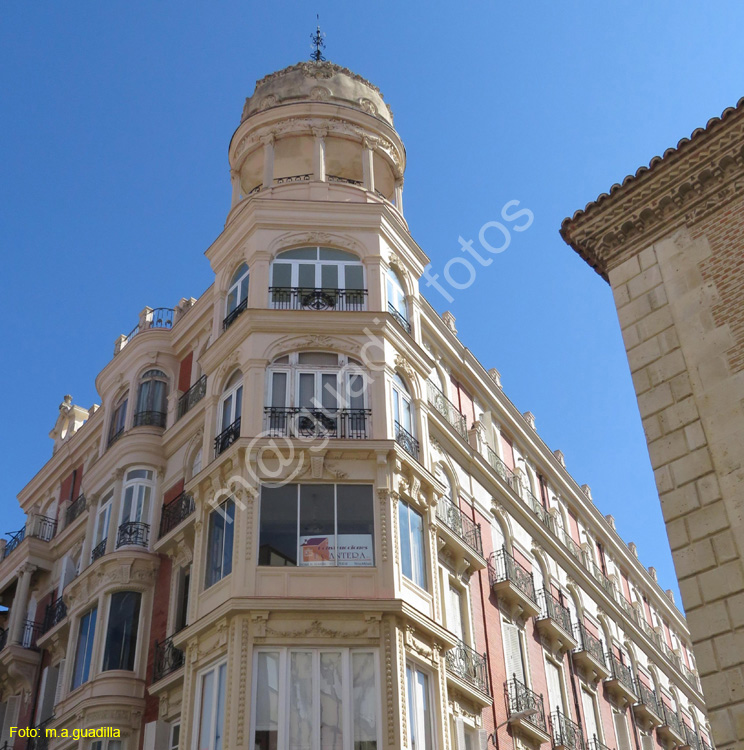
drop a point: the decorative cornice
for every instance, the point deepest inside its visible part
(679, 188)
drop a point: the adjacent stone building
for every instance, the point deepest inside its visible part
(305, 517)
(670, 241)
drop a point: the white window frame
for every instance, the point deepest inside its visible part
(414, 721)
(146, 498)
(236, 285)
(423, 585)
(234, 392)
(284, 702)
(401, 399)
(318, 263)
(173, 741)
(121, 403)
(396, 294)
(215, 668)
(222, 511)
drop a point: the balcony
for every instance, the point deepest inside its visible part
(133, 534)
(647, 710)
(158, 318)
(75, 509)
(167, 659)
(538, 509)
(499, 466)
(470, 667)
(344, 424)
(40, 741)
(526, 712)
(227, 437)
(400, 319)
(692, 741)
(671, 730)
(406, 441)
(98, 551)
(567, 735)
(690, 676)
(55, 613)
(599, 576)
(463, 527)
(595, 744)
(235, 314)
(31, 631)
(37, 527)
(296, 298)
(150, 419)
(174, 512)
(554, 621)
(620, 682)
(589, 654)
(512, 583)
(193, 396)
(449, 412)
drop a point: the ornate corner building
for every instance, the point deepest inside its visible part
(670, 241)
(305, 517)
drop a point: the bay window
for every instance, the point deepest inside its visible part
(412, 545)
(237, 295)
(403, 417)
(228, 419)
(317, 525)
(84, 648)
(220, 543)
(121, 633)
(119, 419)
(209, 719)
(152, 399)
(420, 715)
(313, 699)
(134, 524)
(396, 297)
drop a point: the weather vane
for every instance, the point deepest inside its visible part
(317, 43)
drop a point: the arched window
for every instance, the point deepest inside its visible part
(228, 427)
(317, 394)
(119, 419)
(396, 296)
(237, 296)
(403, 417)
(136, 503)
(152, 404)
(317, 278)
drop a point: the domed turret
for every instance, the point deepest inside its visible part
(317, 131)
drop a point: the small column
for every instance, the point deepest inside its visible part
(399, 194)
(319, 170)
(235, 181)
(268, 171)
(113, 528)
(20, 603)
(90, 530)
(368, 171)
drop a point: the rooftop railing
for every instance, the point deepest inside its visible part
(193, 396)
(447, 410)
(160, 317)
(467, 529)
(469, 666)
(503, 567)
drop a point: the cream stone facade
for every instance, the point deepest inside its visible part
(670, 241)
(305, 516)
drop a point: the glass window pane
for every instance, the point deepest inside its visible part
(84, 650)
(423, 712)
(126, 512)
(354, 277)
(329, 276)
(404, 530)
(226, 413)
(206, 716)
(364, 701)
(300, 253)
(306, 276)
(329, 391)
(355, 525)
(417, 548)
(317, 524)
(266, 734)
(278, 533)
(227, 546)
(301, 701)
(281, 275)
(220, 713)
(411, 691)
(307, 390)
(121, 634)
(330, 253)
(357, 387)
(331, 702)
(238, 403)
(232, 300)
(279, 389)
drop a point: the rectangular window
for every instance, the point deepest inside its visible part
(183, 582)
(220, 543)
(591, 720)
(315, 698)
(420, 730)
(210, 718)
(317, 525)
(121, 634)
(175, 737)
(84, 650)
(412, 557)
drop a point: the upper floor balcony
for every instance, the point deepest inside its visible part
(75, 509)
(512, 583)
(589, 653)
(309, 298)
(526, 712)
(38, 527)
(192, 397)
(168, 659)
(174, 512)
(300, 422)
(447, 410)
(460, 532)
(596, 744)
(671, 729)
(470, 667)
(567, 734)
(647, 710)
(554, 621)
(406, 441)
(620, 681)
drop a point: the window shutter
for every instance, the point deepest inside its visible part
(184, 372)
(60, 682)
(555, 693)
(483, 737)
(590, 716)
(621, 731)
(512, 652)
(11, 717)
(40, 698)
(454, 612)
(459, 741)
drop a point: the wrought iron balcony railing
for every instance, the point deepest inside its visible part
(600, 577)
(595, 744)
(167, 659)
(160, 317)
(227, 437)
(499, 466)
(467, 529)
(290, 421)
(31, 631)
(150, 419)
(537, 508)
(114, 436)
(40, 741)
(308, 298)
(691, 738)
(672, 720)
(192, 397)
(344, 180)
(503, 567)
(55, 613)
(552, 607)
(38, 527)
(469, 666)
(400, 319)
(448, 410)
(647, 697)
(621, 672)
(232, 316)
(293, 178)
(689, 675)
(589, 643)
(98, 551)
(133, 533)
(566, 733)
(176, 511)
(523, 701)
(75, 509)
(406, 441)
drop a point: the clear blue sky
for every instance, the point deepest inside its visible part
(115, 119)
